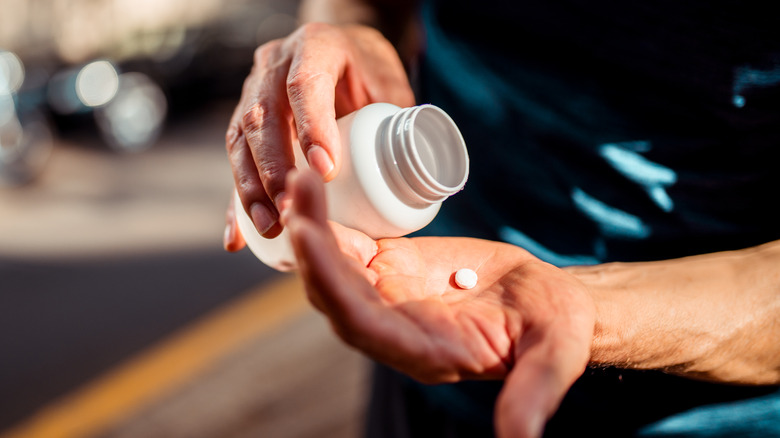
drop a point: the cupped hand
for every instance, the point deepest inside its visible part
(395, 300)
(296, 90)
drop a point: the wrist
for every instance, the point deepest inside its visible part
(396, 21)
(709, 317)
(612, 331)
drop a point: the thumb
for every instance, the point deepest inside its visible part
(308, 194)
(534, 388)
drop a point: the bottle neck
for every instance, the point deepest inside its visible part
(424, 155)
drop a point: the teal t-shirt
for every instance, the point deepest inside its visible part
(614, 131)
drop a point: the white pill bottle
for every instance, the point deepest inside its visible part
(398, 166)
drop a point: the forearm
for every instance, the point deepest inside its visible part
(714, 316)
(396, 19)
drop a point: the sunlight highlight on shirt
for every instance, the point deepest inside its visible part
(653, 177)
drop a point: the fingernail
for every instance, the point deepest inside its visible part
(263, 218)
(281, 202)
(284, 216)
(229, 237)
(319, 160)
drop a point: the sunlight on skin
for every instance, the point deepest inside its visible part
(396, 301)
(411, 315)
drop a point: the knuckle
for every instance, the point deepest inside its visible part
(300, 79)
(260, 53)
(265, 51)
(245, 184)
(231, 137)
(252, 119)
(273, 174)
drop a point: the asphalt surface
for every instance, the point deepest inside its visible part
(107, 253)
(64, 322)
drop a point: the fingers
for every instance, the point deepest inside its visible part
(333, 283)
(338, 287)
(232, 240)
(254, 198)
(310, 201)
(357, 245)
(307, 192)
(291, 87)
(546, 367)
(311, 89)
(293, 91)
(265, 120)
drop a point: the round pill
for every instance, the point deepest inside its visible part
(465, 278)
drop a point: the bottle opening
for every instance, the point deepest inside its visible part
(438, 150)
(426, 155)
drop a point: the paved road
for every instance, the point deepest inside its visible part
(108, 253)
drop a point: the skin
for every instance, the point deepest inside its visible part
(711, 317)
(296, 90)
(395, 299)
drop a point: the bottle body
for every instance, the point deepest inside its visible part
(398, 166)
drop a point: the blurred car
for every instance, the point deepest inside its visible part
(120, 68)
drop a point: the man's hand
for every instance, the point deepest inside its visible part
(297, 89)
(395, 299)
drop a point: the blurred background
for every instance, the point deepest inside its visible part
(120, 314)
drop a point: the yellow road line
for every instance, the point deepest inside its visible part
(165, 366)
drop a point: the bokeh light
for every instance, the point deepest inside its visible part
(25, 147)
(11, 72)
(10, 131)
(97, 83)
(133, 119)
(7, 108)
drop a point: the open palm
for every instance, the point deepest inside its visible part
(395, 299)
